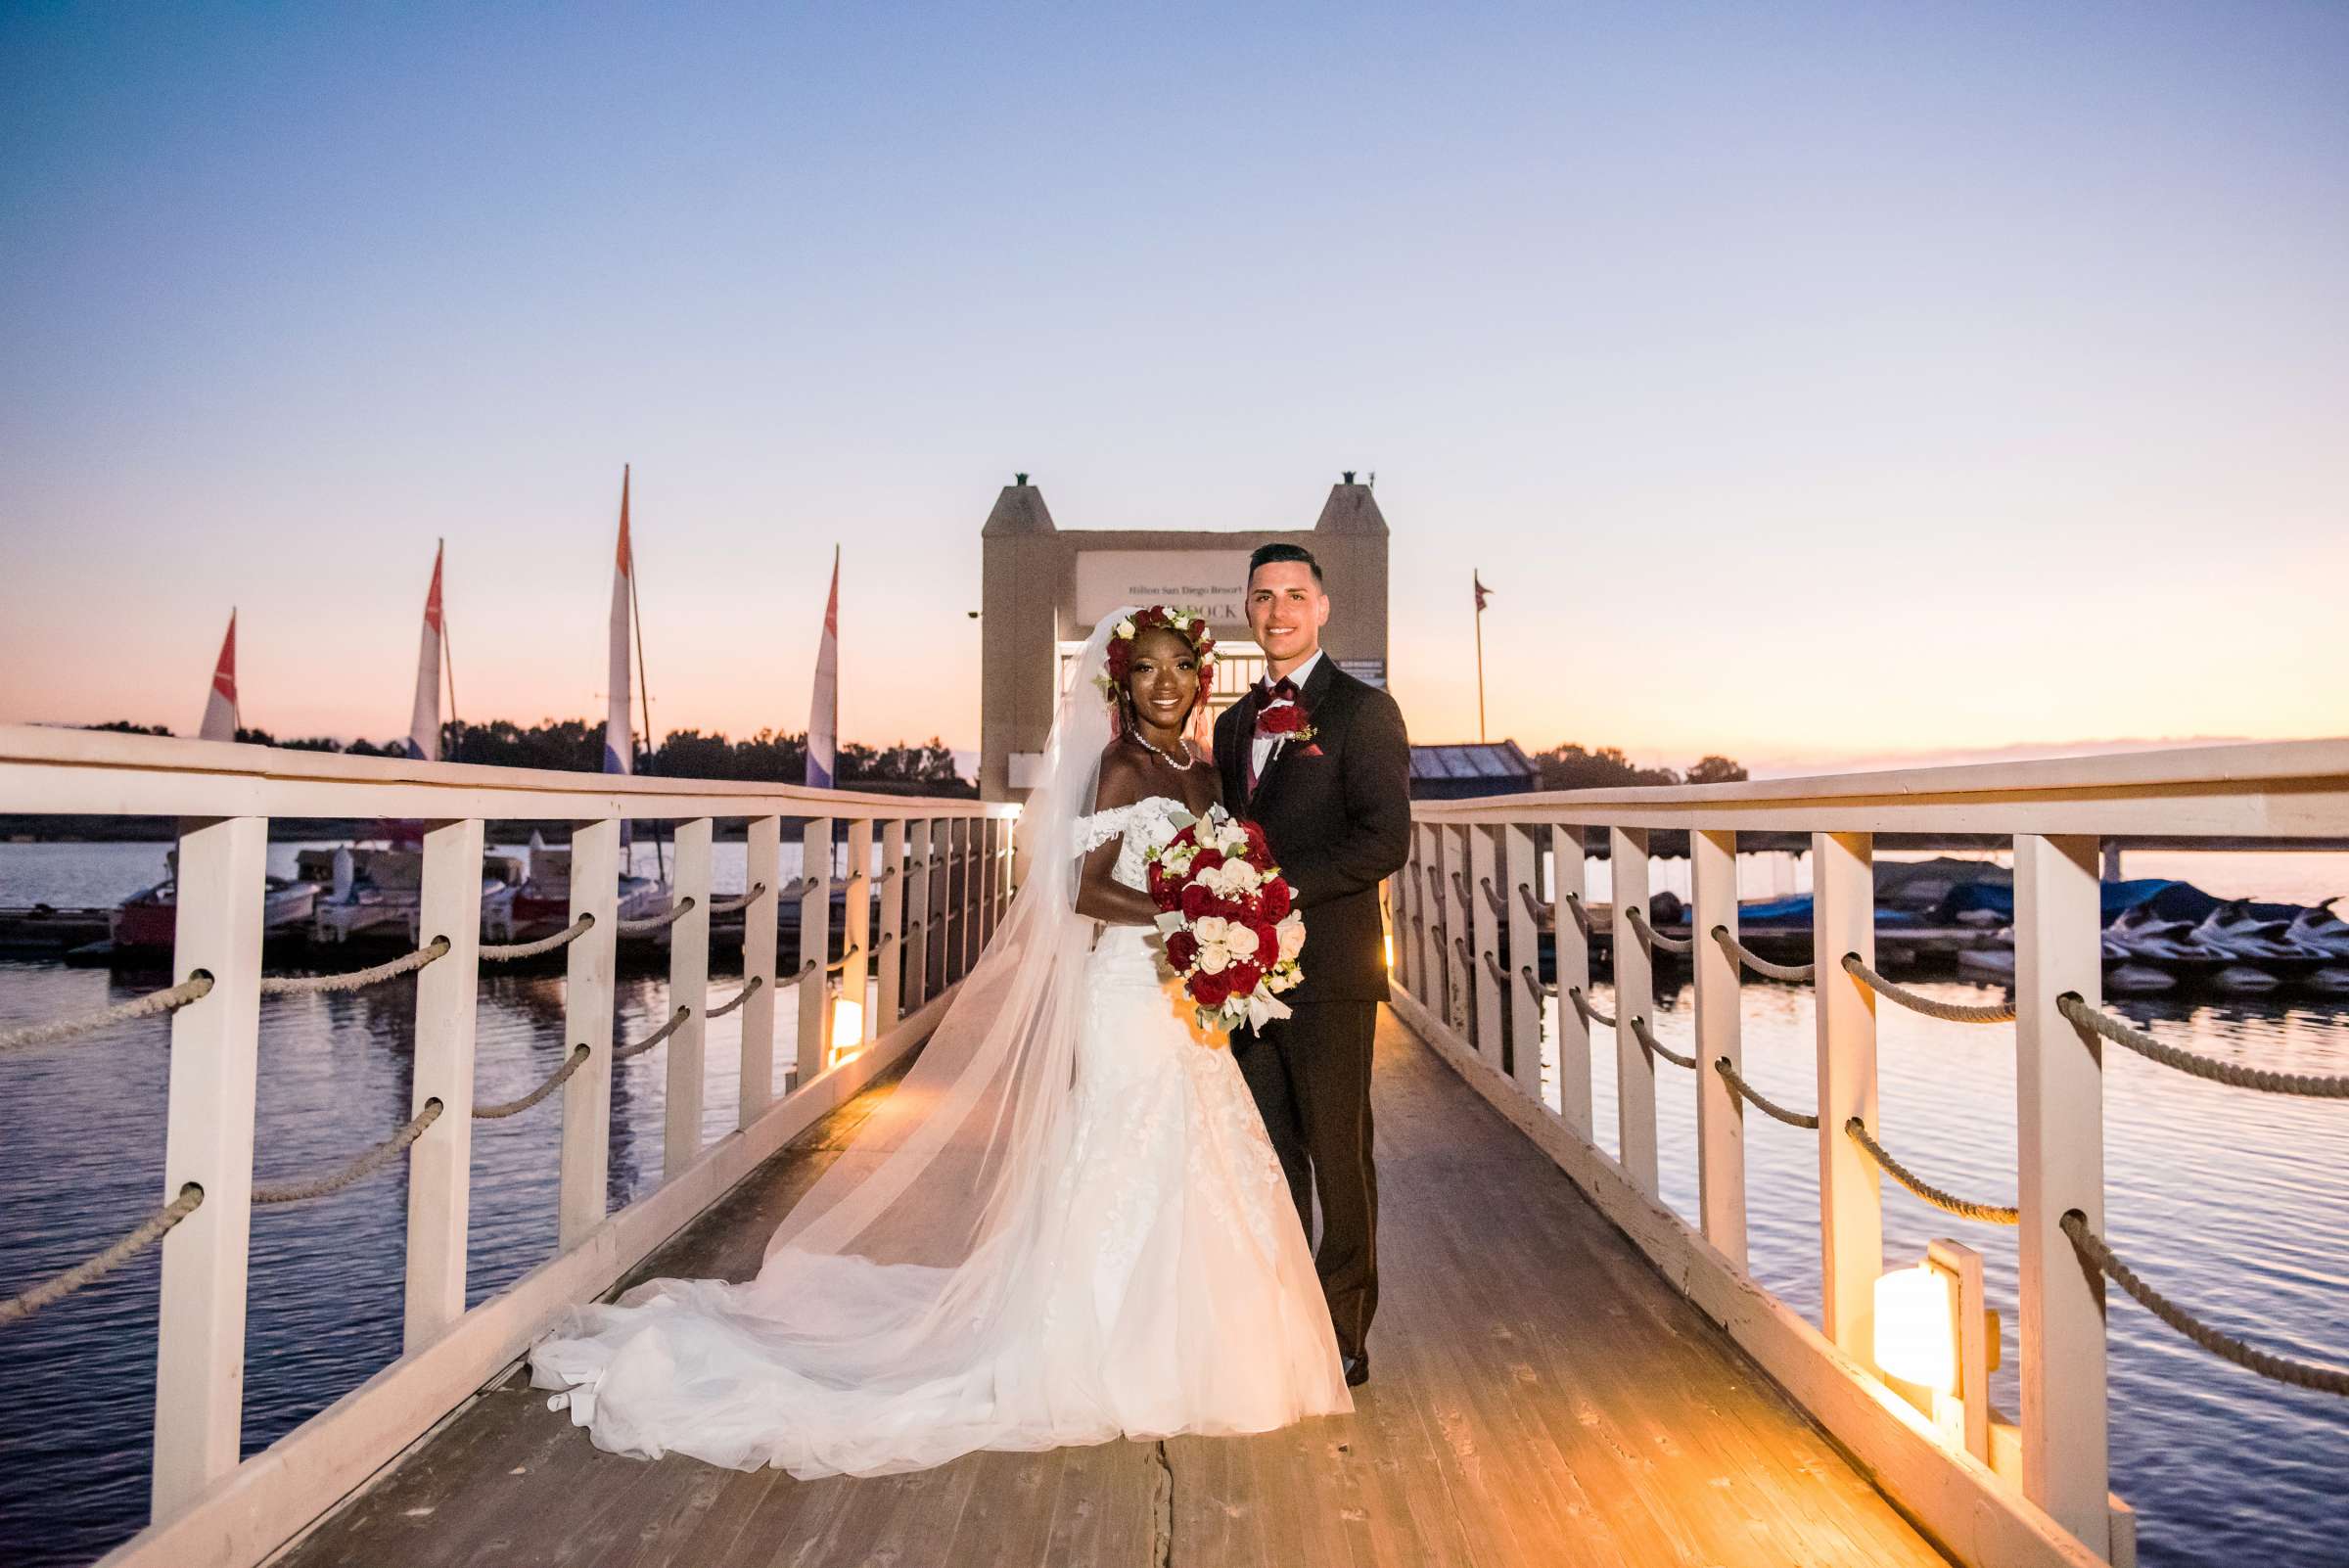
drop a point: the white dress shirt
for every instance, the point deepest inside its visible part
(1266, 745)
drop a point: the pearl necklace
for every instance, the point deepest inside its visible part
(1184, 767)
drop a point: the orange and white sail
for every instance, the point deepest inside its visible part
(220, 706)
(424, 720)
(620, 741)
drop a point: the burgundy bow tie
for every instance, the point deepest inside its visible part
(1275, 691)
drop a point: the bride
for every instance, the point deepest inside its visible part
(1065, 1224)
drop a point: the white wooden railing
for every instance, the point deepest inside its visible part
(943, 883)
(1466, 913)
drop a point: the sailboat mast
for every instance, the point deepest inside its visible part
(448, 667)
(644, 690)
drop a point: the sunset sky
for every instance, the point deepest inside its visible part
(1822, 385)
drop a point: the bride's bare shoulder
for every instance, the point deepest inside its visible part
(1120, 779)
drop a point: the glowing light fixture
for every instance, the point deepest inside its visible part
(1390, 941)
(847, 1027)
(1916, 1327)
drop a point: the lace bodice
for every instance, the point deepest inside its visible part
(1146, 824)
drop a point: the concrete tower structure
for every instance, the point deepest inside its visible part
(1045, 587)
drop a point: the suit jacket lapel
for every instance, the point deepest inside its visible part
(1309, 697)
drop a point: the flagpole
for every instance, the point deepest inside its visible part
(1479, 656)
(448, 668)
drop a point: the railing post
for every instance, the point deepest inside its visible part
(764, 866)
(440, 1162)
(1520, 882)
(207, 1140)
(2059, 1114)
(856, 925)
(1459, 929)
(815, 944)
(1484, 872)
(1634, 997)
(1569, 879)
(1427, 975)
(889, 968)
(1719, 1115)
(973, 880)
(591, 962)
(688, 988)
(1851, 1197)
(918, 854)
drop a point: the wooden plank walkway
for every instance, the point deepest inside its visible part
(1542, 1397)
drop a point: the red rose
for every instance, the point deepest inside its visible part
(1209, 991)
(1207, 860)
(1267, 945)
(1160, 893)
(1274, 900)
(1283, 718)
(1244, 978)
(1197, 903)
(1182, 949)
(1260, 847)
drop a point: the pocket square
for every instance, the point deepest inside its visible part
(1313, 749)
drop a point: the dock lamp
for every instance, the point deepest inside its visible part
(1934, 1334)
(847, 1024)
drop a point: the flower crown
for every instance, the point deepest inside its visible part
(1189, 626)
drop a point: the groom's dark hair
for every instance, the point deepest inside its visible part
(1267, 554)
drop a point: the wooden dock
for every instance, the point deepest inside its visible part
(1543, 1394)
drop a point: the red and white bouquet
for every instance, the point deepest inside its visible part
(1233, 934)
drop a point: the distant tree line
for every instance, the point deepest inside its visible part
(1572, 768)
(576, 746)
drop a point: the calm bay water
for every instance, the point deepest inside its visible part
(2237, 1203)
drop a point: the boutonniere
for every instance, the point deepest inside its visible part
(1287, 721)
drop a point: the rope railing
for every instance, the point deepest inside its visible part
(727, 906)
(1962, 1208)
(749, 987)
(1918, 1003)
(1581, 916)
(633, 1048)
(1591, 1014)
(1655, 1047)
(1795, 974)
(365, 1163)
(506, 952)
(1493, 898)
(1533, 906)
(1760, 1102)
(2097, 1254)
(1461, 882)
(644, 923)
(554, 1080)
(355, 979)
(2120, 1032)
(842, 962)
(1653, 937)
(146, 1233)
(168, 1000)
(1532, 981)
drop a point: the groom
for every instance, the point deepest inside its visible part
(1320, 759)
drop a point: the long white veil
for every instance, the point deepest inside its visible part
(867, 1341)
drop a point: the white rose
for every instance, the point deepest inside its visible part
(1126, 628)
(1214, 958)
(1291, 928)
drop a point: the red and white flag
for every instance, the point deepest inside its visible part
(220, 707)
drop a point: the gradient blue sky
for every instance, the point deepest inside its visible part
(1817, 384)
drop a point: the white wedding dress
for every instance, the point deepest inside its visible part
(1137, 1266)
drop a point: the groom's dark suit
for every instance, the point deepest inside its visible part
(1337, 809)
